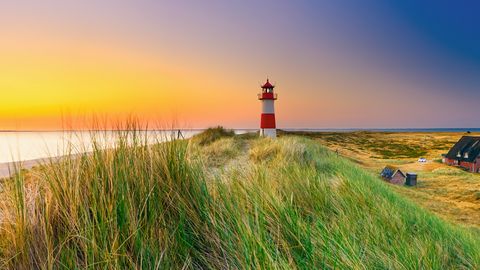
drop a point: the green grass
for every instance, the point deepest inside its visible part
(289, 204)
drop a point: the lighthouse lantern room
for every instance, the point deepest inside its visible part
(267, 123)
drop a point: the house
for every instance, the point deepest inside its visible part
(465, 153)
(393, 175)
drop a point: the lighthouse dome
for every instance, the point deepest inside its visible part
(267, 85)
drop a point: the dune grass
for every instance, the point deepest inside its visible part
(296, 205)
(212, 134)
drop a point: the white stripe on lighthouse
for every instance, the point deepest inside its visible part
(268, 132)
(267, 106)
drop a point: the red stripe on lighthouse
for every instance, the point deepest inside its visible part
(267, 96)
(268, 120)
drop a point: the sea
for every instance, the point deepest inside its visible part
(31, 145)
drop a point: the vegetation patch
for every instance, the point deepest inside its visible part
(272, 151)
(445, 190)
(219, 152)
(382, 145)
(296, 206)
(212, 134)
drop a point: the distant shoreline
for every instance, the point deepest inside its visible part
(254, 129)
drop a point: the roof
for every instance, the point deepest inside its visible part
(469, 145)
(267, 85)
(389, 172)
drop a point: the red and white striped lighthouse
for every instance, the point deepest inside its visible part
(267, 123)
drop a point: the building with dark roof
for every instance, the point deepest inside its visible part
(393, 175)
(465, 153)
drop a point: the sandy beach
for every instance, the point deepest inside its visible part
(9, 168)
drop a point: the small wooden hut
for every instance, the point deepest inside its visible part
(393, 175)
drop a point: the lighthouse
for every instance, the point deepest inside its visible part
(267, 123)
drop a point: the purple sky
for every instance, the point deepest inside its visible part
(337, 64)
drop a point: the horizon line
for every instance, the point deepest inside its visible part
(285, 128)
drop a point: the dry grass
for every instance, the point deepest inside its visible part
(448, 191)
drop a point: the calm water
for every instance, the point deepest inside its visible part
(19, 146)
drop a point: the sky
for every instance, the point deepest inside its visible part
(335, 64)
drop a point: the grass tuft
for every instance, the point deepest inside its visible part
(212, 134)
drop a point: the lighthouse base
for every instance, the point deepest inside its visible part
(268, 132)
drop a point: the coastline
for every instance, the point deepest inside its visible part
(7, 169)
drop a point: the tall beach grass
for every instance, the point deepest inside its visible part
(289, 203)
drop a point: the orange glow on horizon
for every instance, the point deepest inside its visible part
(48, 82)
(334, 65)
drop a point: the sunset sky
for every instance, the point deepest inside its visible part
(336, 64)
